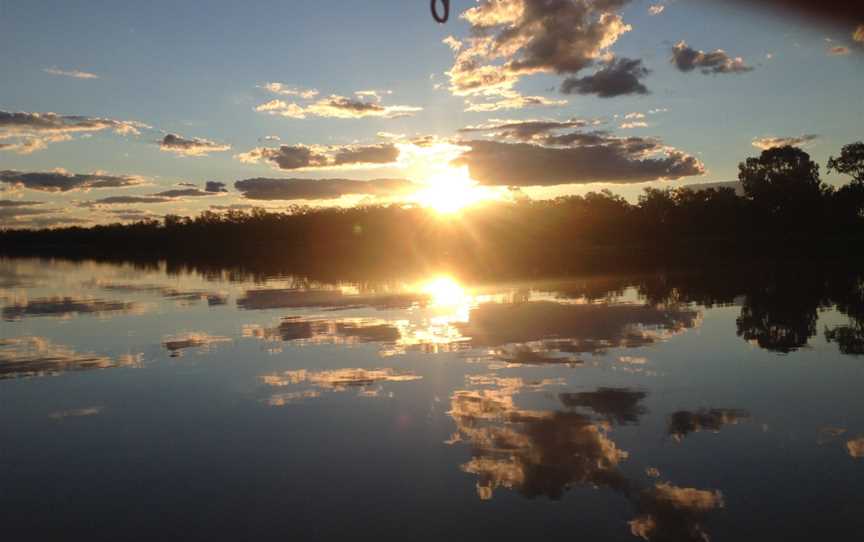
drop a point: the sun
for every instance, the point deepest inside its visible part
(443, 291)
(451, 191)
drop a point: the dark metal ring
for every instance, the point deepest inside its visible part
(441, 18)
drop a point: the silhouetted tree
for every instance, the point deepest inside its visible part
(850, 162)
(847, 203)
(783, 184)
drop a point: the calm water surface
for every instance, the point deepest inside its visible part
(141, 404)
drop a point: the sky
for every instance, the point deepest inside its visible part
(116, 111)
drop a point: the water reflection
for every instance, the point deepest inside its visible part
(535, 452)
(65, 307)
(855, 447)
(176, 344)
(674, 513)
(547, 452)
(75, 413)
(619, 406)
(684, 422)
(538, 388)
(31, 356)
(366, 382)
(525, 333)
(182, 297)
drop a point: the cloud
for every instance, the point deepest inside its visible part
(34, 131)
(858, 34)
(215, 186)
(316, 189)
(618, 77)
(619, 160)
(63, 182)
(44, 221)
(131, 214)
(634, 124)
(190, 146)
(687, 59)
(525, 130)
(838, 50)
(288, 90)
(656, 9)
(184, 193)
(13, 213)
(339, 107)
(232, 207)
(28, 123)
(4, 203)
(511, 99)
(513, 38)
(319, 156)
(769, 142)
(33, 144)
(125, 200)
(77, 74)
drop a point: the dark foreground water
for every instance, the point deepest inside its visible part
(142, 404)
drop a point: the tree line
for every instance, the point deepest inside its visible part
(785, 208)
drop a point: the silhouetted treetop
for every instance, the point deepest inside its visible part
(850, 162)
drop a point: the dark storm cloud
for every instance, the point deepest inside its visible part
(64, 182)
(687, 59)
(627, 160)
(312, 189)
(618, 77)
(215, 186)
(190, 146)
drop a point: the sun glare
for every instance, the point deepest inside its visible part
(451, 191)
(445, 292)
